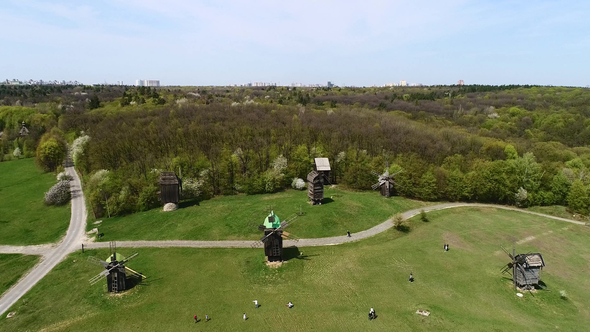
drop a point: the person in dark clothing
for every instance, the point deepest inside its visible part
(348, 233)
(446, 247)
(411, 277)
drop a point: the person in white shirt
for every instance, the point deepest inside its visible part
(290, 305)
(245, 317)
(255, 304)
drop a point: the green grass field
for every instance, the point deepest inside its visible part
(237, 217)
(12, 267)
(334, 287)
(558, 211)
(24, 218)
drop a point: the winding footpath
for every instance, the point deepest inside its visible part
(52, 254)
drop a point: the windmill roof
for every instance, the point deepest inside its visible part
(535, 260)
(272, 221)
(168, 178)
(118, 256)
(322, 164)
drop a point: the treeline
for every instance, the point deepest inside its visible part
(522, 145)
(230, 150)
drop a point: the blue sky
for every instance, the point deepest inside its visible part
(369, 42)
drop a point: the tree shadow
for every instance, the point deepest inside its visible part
(403, 228)
(185, 204)
(293, 252)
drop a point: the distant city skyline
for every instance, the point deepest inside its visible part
(374, 42)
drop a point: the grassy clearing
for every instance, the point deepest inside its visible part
(334, 287)
(12, 267)
(24, 218)
(558, 211)
(237, 217)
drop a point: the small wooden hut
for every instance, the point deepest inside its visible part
(23, 130)
(527, 268)
(322, 166)
(315, 187)
(169, 188)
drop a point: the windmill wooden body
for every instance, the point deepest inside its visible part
(169, 188)
(385, 183)
(274, 234)
(525, 268)
(115, 271)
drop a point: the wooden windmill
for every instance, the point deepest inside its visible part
(169, 188)
(525, 269)
(115, 270)
(385, 183)
(274, 234)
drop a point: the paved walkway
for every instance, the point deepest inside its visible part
(51, 254)
(325, 241)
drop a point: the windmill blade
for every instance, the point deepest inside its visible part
(97, 261)
(288, 236)
(135, 273)
(261, 227)
(386, 174)
(129, 258)
(289, 220)
(376, 185)
(376, 174)
(98, 277)
(506, 251)
(396, 173)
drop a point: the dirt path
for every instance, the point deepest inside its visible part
(51, 254)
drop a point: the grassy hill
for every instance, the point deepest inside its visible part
(237, 217)
(24, 218)
(12, 267)
(334, 287)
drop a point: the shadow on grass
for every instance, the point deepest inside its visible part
(186, 204)
(293, 252)
(327, 200)
(403, 228)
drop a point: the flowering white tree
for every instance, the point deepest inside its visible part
(17, 153)
(279, 164)
(63, 176)
(191, 188)
(78, 148)
(521, 196)
(298, 184)
(59, 194)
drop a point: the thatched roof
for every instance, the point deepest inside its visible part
(312, 176)
(535, 260)
(322, 164)
(168, 178)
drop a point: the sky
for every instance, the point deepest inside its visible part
(360, 43)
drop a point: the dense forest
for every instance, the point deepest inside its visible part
(521, 145)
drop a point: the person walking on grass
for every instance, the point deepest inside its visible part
(245, 317)
(196, 319)
(255, 304)
(411, 277)
(206, 318)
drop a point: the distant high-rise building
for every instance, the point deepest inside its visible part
(147, 83)
(460, 82)
(403, 83)
(330, 84)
